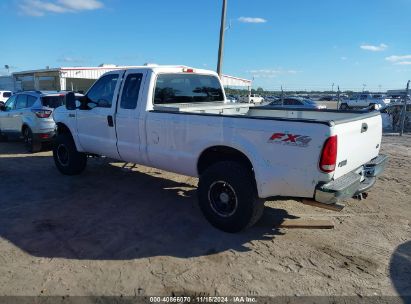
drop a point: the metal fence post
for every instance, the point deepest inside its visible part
(404, 108)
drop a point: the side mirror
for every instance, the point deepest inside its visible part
(71, 101)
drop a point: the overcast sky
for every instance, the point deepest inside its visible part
(299, 44)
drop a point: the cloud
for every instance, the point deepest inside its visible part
(271, 73)
(252, 20)
(395, 58)
(344, 58)
(39, 8)
(69, 59)
(374, 48)
(399, 60)
(404, 63)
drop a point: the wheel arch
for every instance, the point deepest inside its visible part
(214, 154)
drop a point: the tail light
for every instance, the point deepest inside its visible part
(188, 70)
(329, 155)
(42, 113)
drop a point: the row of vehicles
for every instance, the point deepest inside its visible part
(177, 119)
(28, 115)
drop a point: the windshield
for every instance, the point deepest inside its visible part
(53, 101)
(187, 88)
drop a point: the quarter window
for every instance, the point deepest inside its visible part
(102, 92)
(131, 89)
(30, 101)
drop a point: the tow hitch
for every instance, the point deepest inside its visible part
(360, 196)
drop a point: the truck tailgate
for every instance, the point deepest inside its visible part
(359, 141)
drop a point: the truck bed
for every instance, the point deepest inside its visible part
(330, 117)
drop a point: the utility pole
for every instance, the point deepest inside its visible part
(338, 98)
(404, 109)
(221, 46)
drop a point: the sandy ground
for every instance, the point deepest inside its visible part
(116, 231)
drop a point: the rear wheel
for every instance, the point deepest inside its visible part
(31, 144)
(66, 157)
(228, 196)
(344, 106)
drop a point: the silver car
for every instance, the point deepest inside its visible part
(28, 115)
(296, 102)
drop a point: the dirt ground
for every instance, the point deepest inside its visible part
(139, 231)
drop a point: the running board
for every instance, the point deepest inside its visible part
(335, 207)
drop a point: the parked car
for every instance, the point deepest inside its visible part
(297, 102)
(364, 101)
(253, 98)
(28, 115)
(4, 95)
(175, 119)
(391, 116)
(231, 98)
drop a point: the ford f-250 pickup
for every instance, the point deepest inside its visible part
(174, 118)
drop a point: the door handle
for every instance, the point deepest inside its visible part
(364, 127)
(110, 121)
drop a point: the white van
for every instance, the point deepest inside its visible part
(4, 95)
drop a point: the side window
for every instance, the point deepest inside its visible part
(21, 102)
(30, 101)
(10, 103)
(102, 92)
(131, 89)
(6, 94)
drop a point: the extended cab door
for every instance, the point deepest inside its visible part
(95, 122)
(128, 116)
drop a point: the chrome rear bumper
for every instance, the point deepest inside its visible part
(352, 183)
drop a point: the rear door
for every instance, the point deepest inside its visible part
(128, 117)
(359, 141)
(95, 124)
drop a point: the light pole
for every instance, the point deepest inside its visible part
(221, 46)
(363, 87)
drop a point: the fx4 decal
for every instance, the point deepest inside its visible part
(290, 139)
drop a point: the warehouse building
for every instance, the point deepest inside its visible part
(80, 79)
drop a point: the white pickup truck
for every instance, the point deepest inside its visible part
(365, 101)
(174, 118)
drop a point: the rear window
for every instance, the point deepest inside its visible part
(187, 88)
(7, 94)
(53, 101)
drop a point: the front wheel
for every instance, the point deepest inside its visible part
(228, 196)
(66, 157)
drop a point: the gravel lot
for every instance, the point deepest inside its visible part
(139, 231)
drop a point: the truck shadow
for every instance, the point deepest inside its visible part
(400, 270)
(109, 213)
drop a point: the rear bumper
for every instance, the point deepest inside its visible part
(44, 136)
(352, 183)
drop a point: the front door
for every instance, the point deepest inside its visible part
(95, 124)
(6, 115)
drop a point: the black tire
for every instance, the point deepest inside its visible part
(344, 106)
(32, 145)
(66, 157)
(228, 196)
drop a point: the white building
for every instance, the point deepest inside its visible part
(80, 79)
